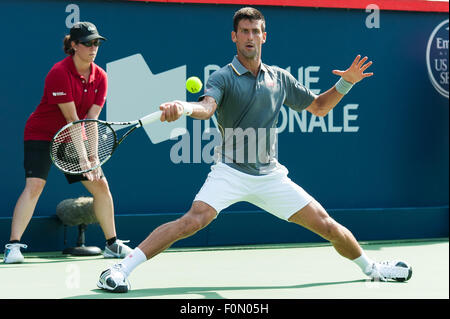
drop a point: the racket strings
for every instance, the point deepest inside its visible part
(83, 146)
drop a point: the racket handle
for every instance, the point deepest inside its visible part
(152, 117)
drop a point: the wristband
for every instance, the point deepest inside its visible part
(343, 86)
(187, 108)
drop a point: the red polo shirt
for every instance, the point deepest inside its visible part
(64, 84)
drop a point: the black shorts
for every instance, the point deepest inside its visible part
(37, 161)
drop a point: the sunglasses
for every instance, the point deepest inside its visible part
(96, 42)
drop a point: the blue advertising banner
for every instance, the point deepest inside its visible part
(384, 146)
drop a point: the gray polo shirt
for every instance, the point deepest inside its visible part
(247, 113)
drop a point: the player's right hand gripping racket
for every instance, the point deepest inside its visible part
(83, 146)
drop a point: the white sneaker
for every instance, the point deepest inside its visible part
(114, 279)
(394, 270)
(117, 250)
(13, 254)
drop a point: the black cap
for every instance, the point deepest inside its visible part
(84, 32)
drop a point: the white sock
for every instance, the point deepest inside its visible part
(134, 259)
(364, 262)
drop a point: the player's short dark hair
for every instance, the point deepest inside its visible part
(248, 13)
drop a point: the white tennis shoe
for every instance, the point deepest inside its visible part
(114, 279)
(13, 255)
(390, 270)
(117, 250)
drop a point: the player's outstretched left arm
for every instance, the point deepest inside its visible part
(326, 101)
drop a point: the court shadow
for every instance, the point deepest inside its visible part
(403, 243)
(51, 260)
(205, 292)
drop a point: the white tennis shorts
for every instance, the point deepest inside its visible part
(275, 193)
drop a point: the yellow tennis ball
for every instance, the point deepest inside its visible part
(194, 84)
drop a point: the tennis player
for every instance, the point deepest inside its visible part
(247, 96)
(75, 88)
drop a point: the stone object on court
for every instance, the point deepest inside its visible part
(76, 211)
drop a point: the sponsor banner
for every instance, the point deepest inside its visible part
(384, 145)
(437, 58)
(403, 5)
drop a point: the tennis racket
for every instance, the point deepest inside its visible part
(85, 145)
